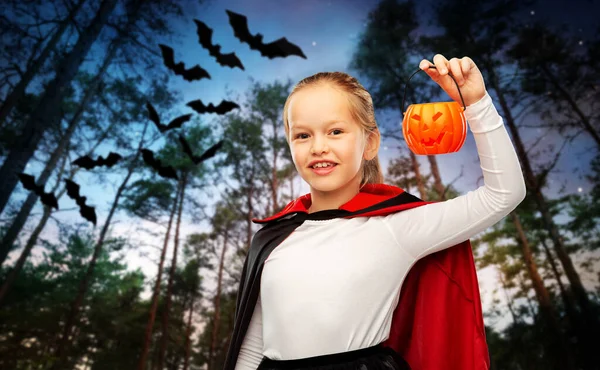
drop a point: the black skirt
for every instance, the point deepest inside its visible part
(373, 358)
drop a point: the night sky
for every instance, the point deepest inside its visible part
(327, 31)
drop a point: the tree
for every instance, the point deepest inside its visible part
(156, 291)
(34, 67)
(85, 282)
(32, 311)
(165, 314)
(249, 138)
(49, 105)
(486, 27)
(517, 258)
(388, 53)
(547, 59)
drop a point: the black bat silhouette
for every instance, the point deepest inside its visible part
(87, 212)
(206, 155)
(192, 74)
(205, 39)
(88, 163)
(28, 182)
(176, 123)
(279, 48)
(168, 172)
(223, 107)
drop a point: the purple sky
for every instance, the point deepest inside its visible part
(327, 32)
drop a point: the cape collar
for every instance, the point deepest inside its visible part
(369, 195)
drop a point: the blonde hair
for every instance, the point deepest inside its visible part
(361, 110)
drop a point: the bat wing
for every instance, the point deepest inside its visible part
(148, 157)
(168, 172)
(85, 162)
(87, 212)
(281, 48)
(239, 23)
(49, 199)
(72, 190)
(230, 60)
(112, 159)
(211, 152)
(164, 171)
(225, 106)
(168, 57)
(28, 182)
(186, 148)
(192, 74)
(153, 115)
(205, 39)
(177, 122)
(197, 105)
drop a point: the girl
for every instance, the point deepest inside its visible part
(321, 283)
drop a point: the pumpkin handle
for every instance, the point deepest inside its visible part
(417, 71)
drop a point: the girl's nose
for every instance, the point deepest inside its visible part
(319, 149)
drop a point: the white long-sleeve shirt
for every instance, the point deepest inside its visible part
(333, 285)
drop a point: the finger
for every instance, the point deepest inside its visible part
(429, 68)
(466, 65)
(425, 64)
(441, 63)
(455, 68)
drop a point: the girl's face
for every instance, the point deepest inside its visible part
(322, 130)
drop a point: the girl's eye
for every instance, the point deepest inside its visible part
(299, 135)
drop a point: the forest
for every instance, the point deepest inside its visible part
(126, 207)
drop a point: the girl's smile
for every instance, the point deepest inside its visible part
(327, 144)
(324, 170)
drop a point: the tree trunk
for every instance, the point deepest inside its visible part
(12, 275)
(509, 303)
(188, 339)
(418, 177)
(533, 186)
(585, 332)
(250, 214)
(217, 319)
(541, 292)
(85, 282)
(568, 299)
(49, 106)
(550, 317)
(156, 291)
(32, 239)
(585, 122)
(17, 224)
(165, 315)
(437, 179)
(19, 90)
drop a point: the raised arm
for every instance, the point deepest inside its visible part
(433, 227)
(252, 347)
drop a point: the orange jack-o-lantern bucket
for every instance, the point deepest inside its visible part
(434, 128)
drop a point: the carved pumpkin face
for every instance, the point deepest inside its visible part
(434, 128)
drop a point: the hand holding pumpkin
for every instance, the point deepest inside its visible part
(465, 72)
